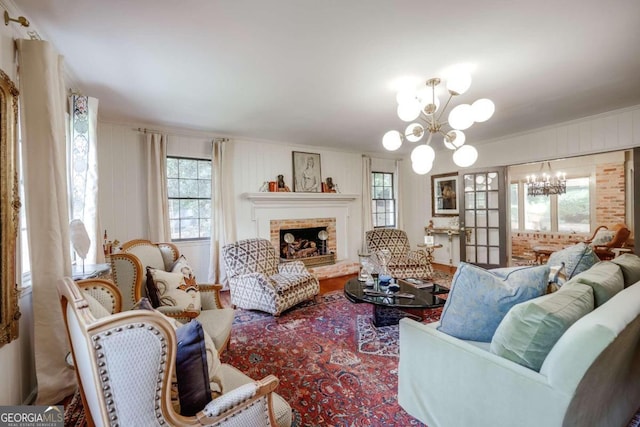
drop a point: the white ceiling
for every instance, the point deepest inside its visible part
(322, 72)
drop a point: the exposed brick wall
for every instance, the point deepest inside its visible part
(609, 210)
(610, 194)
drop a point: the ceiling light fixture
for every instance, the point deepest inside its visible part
(546, 184)
(423, 104)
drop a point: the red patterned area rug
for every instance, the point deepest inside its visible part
(335, 368)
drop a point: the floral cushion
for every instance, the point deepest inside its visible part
(479, 299)
(182, 266)
(174, 292)
(603, 237)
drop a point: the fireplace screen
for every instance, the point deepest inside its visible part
(303, 242)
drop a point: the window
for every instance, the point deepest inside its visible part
(573, 207)
(566, 213)
(383, 203)
(189, 188)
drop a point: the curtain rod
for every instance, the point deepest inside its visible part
(145, 130)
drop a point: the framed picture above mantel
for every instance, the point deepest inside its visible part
(306, 172)
(444, 201)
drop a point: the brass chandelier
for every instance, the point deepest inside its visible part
(423, 105)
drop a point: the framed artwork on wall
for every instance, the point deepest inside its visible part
(306, 172)
(444, 201)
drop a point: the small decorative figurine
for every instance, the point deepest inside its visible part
(331, 187)
(281, 185)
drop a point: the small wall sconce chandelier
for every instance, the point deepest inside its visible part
(546, 184)
(20, 20)
(423, 104)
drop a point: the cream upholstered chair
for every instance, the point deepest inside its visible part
(104, 292)
(404, 262)
(258, 281)
(129, 269)
(114, 393)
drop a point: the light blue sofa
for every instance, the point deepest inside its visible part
(591, 376)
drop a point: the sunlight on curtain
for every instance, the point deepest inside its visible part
(83, 170)
(42, 103)
(223, 218)
(157, 193)
(367, 220)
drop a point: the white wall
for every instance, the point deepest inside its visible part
(123, 190)
(17, 375)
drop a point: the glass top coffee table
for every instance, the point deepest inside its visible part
(388, 307)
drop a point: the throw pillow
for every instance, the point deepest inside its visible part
(479, 299)
(605, 278)
(174, 292)
(213, 360)
(630, 266)
(602, 237)
(152, 290)
(576, 258)
(182, 266)
(192, 373)
(530, 329)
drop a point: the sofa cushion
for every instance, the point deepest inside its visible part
(530, 329)
(630, 266)
(479, 299)
(576, 259)
(605, 278)
(174, 292)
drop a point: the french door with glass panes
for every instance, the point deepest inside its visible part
(483, 220)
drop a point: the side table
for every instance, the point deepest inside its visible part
(91, 271)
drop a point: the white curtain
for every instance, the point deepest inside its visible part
(157, 195)
(83, 171)
(367, 220)
(223, 218)
(42, 101)
(399, 199)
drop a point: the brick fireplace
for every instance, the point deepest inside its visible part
(307, 245)
(293, 211)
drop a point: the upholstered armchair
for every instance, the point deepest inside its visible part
(113, 393)
(404, 262)
(605, 239)
(129, 270)
(103, 292)
(258, 281)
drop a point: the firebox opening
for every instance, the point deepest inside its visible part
(303, 242)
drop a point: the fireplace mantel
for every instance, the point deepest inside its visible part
(299, 197)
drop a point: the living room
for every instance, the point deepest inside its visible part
(533, 129)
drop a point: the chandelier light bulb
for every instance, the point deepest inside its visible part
(423, 154)
(421, 168)
(409, 111)
(483, 109)
(461, 117)
(454, 139)
(458, 83)
(392, 140)
(465, 156)
(414, 132)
